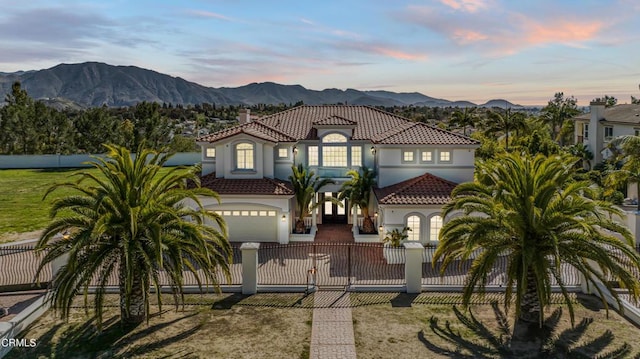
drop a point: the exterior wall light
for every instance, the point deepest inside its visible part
(284, 218)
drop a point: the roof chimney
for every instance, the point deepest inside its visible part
(244, 116)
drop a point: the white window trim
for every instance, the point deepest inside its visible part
(428, 225)
(317, 155)
(604, 132)
(413, 159)
(432, 160)
(358, 161)
(235, 156)
(420, 227)
(440, 160)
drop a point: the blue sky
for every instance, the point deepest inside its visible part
(475, 50)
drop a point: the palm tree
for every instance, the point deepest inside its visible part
(132, 220)
(464, 118)
(358, 191)
(630, 170)
(581, 151)
(504, 122)
(305, 186)
(529, 211)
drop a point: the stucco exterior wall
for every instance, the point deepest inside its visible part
(392, 217)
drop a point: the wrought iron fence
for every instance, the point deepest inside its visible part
(235, 269)
(18, 267)
(328, 265)
(456, 273)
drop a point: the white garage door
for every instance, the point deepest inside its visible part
(250, 224)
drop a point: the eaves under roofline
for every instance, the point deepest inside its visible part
(249, 196)
(231, 138)
(604, 121)
(430, 145)
(405, 206)
(390, 146)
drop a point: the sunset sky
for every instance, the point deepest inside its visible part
(475, 50)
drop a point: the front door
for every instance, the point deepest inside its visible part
(333, 213)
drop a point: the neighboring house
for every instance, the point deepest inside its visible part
(417, 166)
(601, 125)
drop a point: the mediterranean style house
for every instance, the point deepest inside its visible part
(248, 165)
(601, 125)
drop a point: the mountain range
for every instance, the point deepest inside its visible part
(93, 84)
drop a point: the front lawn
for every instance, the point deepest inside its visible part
(23, 213)
(212, 326)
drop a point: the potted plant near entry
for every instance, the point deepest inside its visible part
(392, 243)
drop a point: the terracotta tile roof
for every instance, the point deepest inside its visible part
(371, 124)
(254, 128)
(419, 133)
(257, 186)
(334, 120)
(421, 190)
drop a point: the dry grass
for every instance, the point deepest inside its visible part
(426, 326)
(226, 329)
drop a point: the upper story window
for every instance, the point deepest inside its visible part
(334, 150)
(445, 156)
(283, 153)
(435, 224)
(210, 152)
(245, 156)
(312, 154)
(585, 131)
(356, 156)
(407, 156)
(334, 156)
(426, 156)
(334, 138)
(608, 133)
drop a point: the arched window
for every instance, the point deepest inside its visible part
(244, 156)
(413, 222)
(334, 138)
(435, 224)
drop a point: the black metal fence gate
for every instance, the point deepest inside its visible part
(328, 265)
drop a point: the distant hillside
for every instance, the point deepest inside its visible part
(93, 84)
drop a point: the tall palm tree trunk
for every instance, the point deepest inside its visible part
(530, 311)
(134, 312)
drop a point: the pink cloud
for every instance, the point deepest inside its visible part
(464, 36)
(566, 32)
(380, 49)
(465, 5)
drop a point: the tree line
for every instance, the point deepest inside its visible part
(28, 126)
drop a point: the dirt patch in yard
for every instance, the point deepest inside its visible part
(224, 329)
(427, 326)
(15, 237)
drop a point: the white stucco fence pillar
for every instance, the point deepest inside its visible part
(413, 266)
(249, 267)
(58, 263)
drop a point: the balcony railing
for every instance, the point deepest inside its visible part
(373, 218)
(332, 172)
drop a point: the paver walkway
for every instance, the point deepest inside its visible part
(332, 329)
(334, 233)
